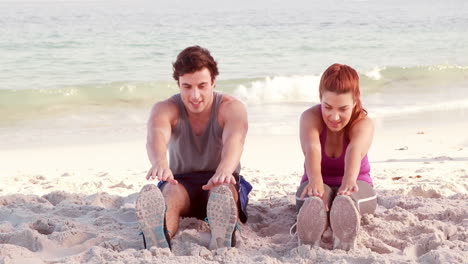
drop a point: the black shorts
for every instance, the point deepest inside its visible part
(193, 183)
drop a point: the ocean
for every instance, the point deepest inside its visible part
(95, 65)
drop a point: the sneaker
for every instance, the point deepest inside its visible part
(221, 211)
(150, 211)
(311, 221)
(344, 221)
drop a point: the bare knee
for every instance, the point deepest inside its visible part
(234, 192)
(176, 198)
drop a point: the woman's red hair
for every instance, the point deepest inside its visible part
(340, 79)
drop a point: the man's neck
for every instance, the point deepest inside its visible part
(203, 115)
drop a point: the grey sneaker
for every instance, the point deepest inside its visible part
(344, 221)
(150, 210)
(221, 211)
(311, 221)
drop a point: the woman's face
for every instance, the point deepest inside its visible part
(337, 109)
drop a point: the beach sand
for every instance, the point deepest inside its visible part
(75, 202)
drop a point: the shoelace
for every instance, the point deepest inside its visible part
(290, 230)
(293, 236)
(144, 239)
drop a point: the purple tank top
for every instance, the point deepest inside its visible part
(333, 168)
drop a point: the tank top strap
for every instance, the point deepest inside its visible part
(217, 100)
(323, 133)
(180, 105)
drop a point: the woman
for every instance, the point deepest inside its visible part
(335, 138)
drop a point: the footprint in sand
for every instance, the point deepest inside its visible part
(105, 200)
(59, 196)
(43, 226)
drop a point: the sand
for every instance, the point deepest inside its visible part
(75, 203)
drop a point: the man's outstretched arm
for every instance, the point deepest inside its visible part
(234, 115)
(159, 133)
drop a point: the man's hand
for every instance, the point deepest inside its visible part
(315, 189)
(162, 173)
(219, 178)
(347, 187)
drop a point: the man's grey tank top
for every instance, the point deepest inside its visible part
(191, 153)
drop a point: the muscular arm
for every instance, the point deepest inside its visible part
(361, 135)
(234, 117)
(234, 132)
(159, 128)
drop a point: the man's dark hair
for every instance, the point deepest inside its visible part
(193, 59)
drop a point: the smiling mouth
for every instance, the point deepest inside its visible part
(335, 124)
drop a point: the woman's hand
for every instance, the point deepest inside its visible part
(315, 189)
(348, 187)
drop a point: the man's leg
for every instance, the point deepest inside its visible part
(150, 210)
(235, 195)
(223, 213)
(178, 204)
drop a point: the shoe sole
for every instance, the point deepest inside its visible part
(222, 216)
(344, 221)
(150, 210)
(311, 221)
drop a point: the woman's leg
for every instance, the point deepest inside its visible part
(346, 212)
(365, 198)
(328, 195)
(312, 219)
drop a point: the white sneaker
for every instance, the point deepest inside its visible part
(311, 221)
(221, 211)
(344, 221)
(150, 210)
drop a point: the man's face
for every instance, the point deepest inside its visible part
(196, 90)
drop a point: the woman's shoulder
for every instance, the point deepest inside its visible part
(364, 122)
(312, 117)
(363, 125)
(313, 111)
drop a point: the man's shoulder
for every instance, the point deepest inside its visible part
(166, 108)
(231, 109)
(229, 102)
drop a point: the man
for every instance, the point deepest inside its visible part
(204, 132)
